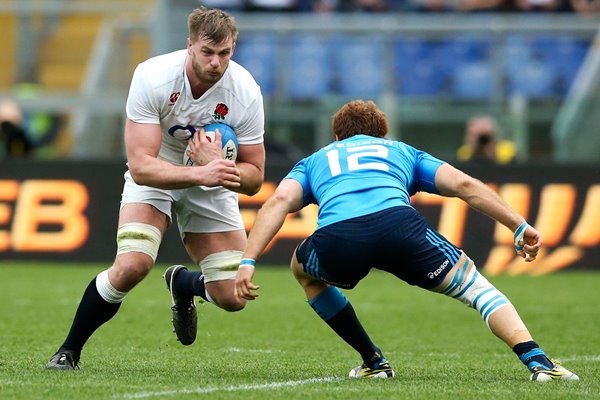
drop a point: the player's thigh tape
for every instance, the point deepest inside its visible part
(221, 266)
(475, 291)
(135, 236)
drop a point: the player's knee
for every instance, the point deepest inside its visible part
(474, 290)
(221, 294)
(107, 290)
(130, 269)
(301, 276)
(232, 304)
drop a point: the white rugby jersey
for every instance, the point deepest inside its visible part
(160, 94)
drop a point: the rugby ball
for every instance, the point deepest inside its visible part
(228, 140)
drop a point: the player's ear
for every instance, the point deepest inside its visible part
(189, 46)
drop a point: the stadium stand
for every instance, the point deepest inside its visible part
(359, 65)
(63, 57)
(307, 74)
(564, 54)
(258, 53)
(429, 69)
(8, 44)
(473, 81)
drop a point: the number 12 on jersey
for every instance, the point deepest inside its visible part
(353, 159)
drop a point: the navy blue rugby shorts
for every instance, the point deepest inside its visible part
(397, 240)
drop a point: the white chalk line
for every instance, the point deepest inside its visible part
(273, 385)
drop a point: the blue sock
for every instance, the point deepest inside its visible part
(333, 307)
(532, 356)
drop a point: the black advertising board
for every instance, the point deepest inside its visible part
(67, 211)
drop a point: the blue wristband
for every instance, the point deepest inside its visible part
(248, 261)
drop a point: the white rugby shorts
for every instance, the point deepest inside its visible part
(198, 209)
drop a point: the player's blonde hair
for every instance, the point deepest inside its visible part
(212, 24)
(359, 117)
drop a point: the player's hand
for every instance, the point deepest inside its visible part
(202, 150)
(220, 173)
(527, 241)
(244, 288)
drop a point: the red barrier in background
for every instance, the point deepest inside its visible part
(68, 211)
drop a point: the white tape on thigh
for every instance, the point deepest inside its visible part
(221, 266)
(476, 291)
(135, 236)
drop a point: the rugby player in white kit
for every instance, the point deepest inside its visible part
(171, 98)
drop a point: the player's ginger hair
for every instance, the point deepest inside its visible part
(359, 117)
(212, 24)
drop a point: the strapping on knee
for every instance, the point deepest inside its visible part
(138, 237)
(474, 290)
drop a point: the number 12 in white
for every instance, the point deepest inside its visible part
(353, 160)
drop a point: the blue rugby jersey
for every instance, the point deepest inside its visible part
(362, 175)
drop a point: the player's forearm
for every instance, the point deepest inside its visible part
(269, 220)
(483, 199)
(161, 174)
(252, 179)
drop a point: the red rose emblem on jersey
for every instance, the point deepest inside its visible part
(221, 111)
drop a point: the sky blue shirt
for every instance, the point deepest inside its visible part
(362, 175)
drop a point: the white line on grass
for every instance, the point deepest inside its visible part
(238, 350)
(274, 385)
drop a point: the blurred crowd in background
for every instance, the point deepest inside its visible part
(458, 70)
(329, 6)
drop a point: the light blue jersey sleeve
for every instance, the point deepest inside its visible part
(298, 173)
(424, 173)
(362, 175)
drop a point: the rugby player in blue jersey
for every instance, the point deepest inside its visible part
(362, 183)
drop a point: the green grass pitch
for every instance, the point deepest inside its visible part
(277, 348)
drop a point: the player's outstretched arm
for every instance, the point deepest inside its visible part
(452, 182)
(288, 197)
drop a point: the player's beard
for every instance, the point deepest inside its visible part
(206, 76)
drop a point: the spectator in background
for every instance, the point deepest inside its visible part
(13, 136)
(226, 5)
(481, 6)
(326, 6)
(543, 6)
(585, 7)
(42, 127)
(272, 5)
(481, 144)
